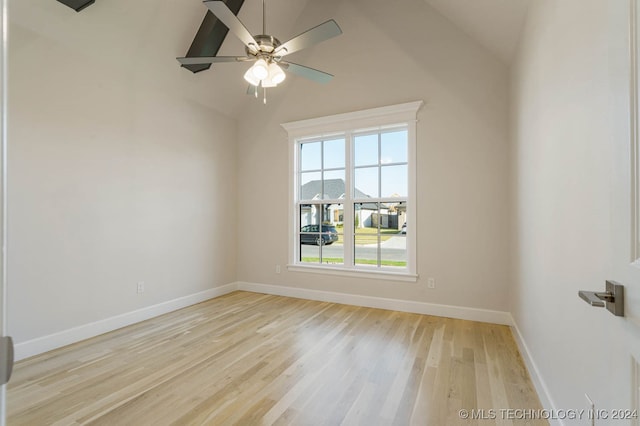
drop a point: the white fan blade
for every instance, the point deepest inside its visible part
(306, 72)
(310, 37)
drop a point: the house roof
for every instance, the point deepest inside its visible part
(334, 189)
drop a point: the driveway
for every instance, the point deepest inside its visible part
(399, 242)
(395, 248)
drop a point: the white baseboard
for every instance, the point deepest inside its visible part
(53, 341)
(459, 312)
(66, 337)
(536, 377)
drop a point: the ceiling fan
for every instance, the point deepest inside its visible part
(266, 51)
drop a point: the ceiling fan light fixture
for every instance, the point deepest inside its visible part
(251, 78)
(260, 69)
(266, 50)
(267, 82)
(276, 75)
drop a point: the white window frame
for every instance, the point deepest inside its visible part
(375, 119)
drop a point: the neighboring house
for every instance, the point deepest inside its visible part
(390, 215)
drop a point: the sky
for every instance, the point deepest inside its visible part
(380, 162)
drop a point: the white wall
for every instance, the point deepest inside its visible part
(567, 84)
(114, 179)
(393, 52)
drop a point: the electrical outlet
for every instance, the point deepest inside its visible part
(431, 282)
(277, 269)
(140, 287)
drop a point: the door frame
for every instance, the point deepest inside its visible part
(4, 28)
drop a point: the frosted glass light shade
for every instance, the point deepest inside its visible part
(267, 82)
(276, 75)
(250, 78)
(260, 69)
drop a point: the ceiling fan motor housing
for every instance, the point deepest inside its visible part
(266, 46)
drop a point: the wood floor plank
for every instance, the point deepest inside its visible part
(247, 358)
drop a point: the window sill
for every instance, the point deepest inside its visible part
(355, 273)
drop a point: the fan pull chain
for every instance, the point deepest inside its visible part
(264, 93)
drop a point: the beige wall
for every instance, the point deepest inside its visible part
(113, 180)
(392, 53)
(569, 97)
(118, 176)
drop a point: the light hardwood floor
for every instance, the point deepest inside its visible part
(248, 358)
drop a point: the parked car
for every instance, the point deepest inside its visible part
(404, 228)
(329, 235)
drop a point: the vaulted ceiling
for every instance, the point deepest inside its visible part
(143, 38)
(496, 24)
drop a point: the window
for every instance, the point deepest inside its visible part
(353, 193)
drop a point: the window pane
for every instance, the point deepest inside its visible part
(366, 182)
(394, 181)
(393, 252)
(378, 238)
(366, 150)
(320, 235)
(365, 248)
(310, 185)
(332, 234)
(334, 185)
(309, 253)
(310, 156)
(400, 211)
(334, 154)
(310, 218)
(393, 243)
(393, 147)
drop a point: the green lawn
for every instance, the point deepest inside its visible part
(369, 235)
(336, 260)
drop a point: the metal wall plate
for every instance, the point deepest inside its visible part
(616, 306)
